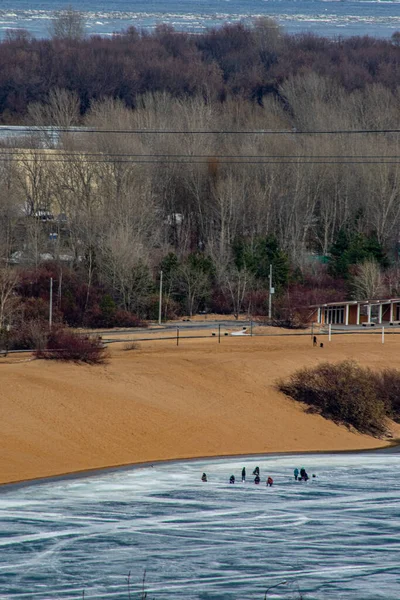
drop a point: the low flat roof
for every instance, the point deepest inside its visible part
(355, 302)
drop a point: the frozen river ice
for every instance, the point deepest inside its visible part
(323, 17)
(337, 536)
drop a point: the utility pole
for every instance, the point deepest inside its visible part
(160, 301)
(271, 291)
(51, 303)
(60, 288)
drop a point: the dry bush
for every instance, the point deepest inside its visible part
(344, 392)
(388, 389)
(131, 346)
(29, 335)
(68, 346)
(294, 321)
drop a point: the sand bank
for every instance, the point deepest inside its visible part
(165, 402)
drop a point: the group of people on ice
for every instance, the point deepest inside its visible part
(301, 475)
(257, 478)
(256, 473)
(269, 481)
(298, 475)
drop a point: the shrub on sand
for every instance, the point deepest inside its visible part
(69, 346)
(346, 393)
(388, 386)
(131, 346)
(28, 335)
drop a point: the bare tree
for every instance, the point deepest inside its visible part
(60, 110)
(237, 282)
(383, 200)
(125, 267)
(368, 282)
(195, 282)
(8, 282)
(68, 24)
(35, 242)
(33, 177)
(11, 208)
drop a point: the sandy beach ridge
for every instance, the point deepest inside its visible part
(162, 402)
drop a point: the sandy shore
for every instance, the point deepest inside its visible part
(163, 402)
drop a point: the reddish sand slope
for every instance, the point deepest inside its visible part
(163, 402)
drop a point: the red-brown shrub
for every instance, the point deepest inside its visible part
(124, 318)
(66, 345)
(346, 393)
(388, 390)
(29, 335)
(220, 303)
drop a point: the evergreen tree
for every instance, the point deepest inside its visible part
(259, 255)
(353, 248)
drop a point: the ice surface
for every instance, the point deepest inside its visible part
(324, 17)
(337, 536)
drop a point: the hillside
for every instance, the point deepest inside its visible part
(163, 402)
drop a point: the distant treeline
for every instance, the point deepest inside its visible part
(232, 61)
(103, 214)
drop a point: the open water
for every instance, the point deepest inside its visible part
(337, 536)
(325, 17)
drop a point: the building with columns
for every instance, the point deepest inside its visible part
(357, 312)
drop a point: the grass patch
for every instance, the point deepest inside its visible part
(348, 394)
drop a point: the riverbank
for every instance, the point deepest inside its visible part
(163, 402)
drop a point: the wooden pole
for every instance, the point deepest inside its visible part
(51, 304)
(160, 300)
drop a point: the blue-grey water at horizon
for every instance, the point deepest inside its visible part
(336, 536)
(331, 18)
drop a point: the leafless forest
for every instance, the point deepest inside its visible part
(203, 157)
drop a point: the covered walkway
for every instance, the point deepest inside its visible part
(357, 312)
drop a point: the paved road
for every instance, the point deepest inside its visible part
(183, 326)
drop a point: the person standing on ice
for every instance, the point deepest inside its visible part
(204, 477)
(303, 474)
(244, 474)
(296, 473)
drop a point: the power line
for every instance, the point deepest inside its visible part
(109, 156)
(53, 130)
(227, 162)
